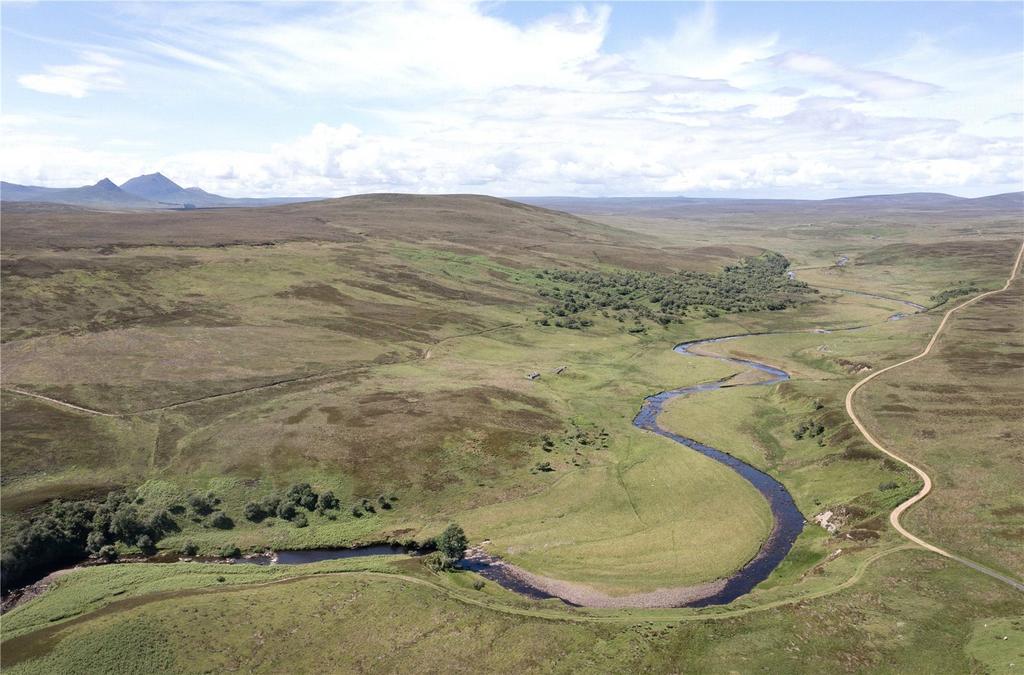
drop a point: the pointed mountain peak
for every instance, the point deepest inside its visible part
(152, 186)
(106, 184)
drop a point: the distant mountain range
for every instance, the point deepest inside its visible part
(151, 191)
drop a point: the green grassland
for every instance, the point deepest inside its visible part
(362, 621)
(382, 348)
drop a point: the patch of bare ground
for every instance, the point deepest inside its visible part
(586, 596)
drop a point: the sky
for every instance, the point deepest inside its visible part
(810, 100)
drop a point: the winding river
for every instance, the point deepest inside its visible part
(788, 521)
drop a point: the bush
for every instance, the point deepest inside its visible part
(230, 551)
(453, 542)
(189, 549)
(286, 511)
(95, 541)
(108, 553)
(328, 501)
(161, 521)
(221, 521)
(270, 504)
(221, 580)
(201, 504)
(145, 543)
(300, 520)
(254, 511)
(301, 494)
(479, 585)
(356, 513)
(438, 562)
(125, 525)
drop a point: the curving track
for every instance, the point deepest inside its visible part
(894, 517)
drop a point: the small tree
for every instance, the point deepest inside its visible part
(254, 512)
(125, 524)
(95, 541)
(453, 542)
(270, 504)
(300, 520)
(189, 549)
(201, 504)
(301, 494)
(108, 553)
(145, 543)
(161, 521)
(286, 511)
(328, 501)
(221, 521)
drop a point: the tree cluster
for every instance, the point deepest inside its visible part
(302, 496)
(68, 531)
(756, 284)
(950, 293)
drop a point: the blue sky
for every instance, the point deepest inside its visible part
(727, 99)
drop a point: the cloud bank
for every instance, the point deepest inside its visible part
(451, 98)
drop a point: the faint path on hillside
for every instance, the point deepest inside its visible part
(894, 517)
(65, 404)
(267, 385)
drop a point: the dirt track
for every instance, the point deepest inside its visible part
(894, 517)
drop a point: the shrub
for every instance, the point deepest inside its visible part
(328, 501)
(300, 520)
(145, 543)
(160, 521)
(201, 504)
(189, 549)
(108, 553)
(221, 521)
(95, 541)
(270, 504)
(221, 580)
(230, 551)
(438, 562)
(479, 585)
(125, 524)
(356, 512)
(286, 510)
(452, 542)
(301, 494)
(254, 511)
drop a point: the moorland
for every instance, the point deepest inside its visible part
(171, 378)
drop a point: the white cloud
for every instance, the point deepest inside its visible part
(450, 98)
(871, 83)
(95, 72)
